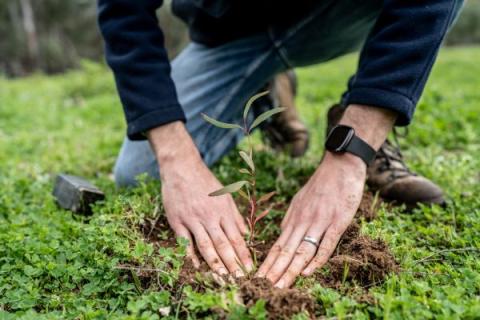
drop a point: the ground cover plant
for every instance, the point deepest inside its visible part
(122, 262)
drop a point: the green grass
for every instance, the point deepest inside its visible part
(54, 265)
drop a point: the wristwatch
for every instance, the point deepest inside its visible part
(343, 139)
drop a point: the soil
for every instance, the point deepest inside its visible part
(358, 260)
(280, 303)
(369, 206)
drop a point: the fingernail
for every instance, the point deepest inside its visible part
(306, 273)
(196, 263)
(238, 274)
(280, 284)
(222, 271)
(249, 267)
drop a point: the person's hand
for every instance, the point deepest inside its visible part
(322, 210)
(214, 222)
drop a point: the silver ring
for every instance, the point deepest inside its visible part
(311, 240)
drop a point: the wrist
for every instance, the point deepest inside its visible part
(371, 124)
(173, 146)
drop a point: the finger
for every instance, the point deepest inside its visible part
(225, 249)
(240, 221)
(286, 255)
(285, 220)
(304, 254)
(238, 243)
(276, 248)
(274, 252)
(182, 231)
(207, 249)
(326, 248)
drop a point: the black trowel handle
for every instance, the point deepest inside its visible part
(76, 194)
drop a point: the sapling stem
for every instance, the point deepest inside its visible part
(249, 184)
(253, 193)
(251, 219)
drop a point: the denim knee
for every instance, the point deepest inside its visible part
(122, 176)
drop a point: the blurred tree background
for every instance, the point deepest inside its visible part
(54, 35)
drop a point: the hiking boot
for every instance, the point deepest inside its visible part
(285, 130)
(389, 175)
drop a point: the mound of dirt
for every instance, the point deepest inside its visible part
(280, 303)
(358, 259)
(368, 207)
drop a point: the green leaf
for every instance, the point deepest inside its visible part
(264, 116)
(258, 311)
(251, 101)
(243, 170)
(234, 187)
(248, 160)
(262, 215)
(136, 281)
(266, 197)
(243, 195)
(221, 124)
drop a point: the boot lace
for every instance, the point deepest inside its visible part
(391, 157)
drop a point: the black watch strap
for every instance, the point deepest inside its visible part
(361, 149)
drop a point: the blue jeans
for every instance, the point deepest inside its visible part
(218, 80)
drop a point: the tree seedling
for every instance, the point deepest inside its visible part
(247, 188)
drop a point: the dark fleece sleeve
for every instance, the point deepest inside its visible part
(135, 51)
(399, 53)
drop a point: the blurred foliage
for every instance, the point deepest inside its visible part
(59, 34)
(467, 28)
(64, 32)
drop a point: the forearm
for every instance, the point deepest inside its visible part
(173, 147)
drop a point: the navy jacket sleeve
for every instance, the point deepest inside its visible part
(398, 55)
(136, 53)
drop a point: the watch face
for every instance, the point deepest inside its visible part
(339, 138)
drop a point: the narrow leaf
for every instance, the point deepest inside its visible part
(266, 197)
(244, 171)
(251, 101)
(262, 215)
(221, 124)
(136, 281)
(234, 187)
(248, 160)
(264, 116)
(243, 194)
